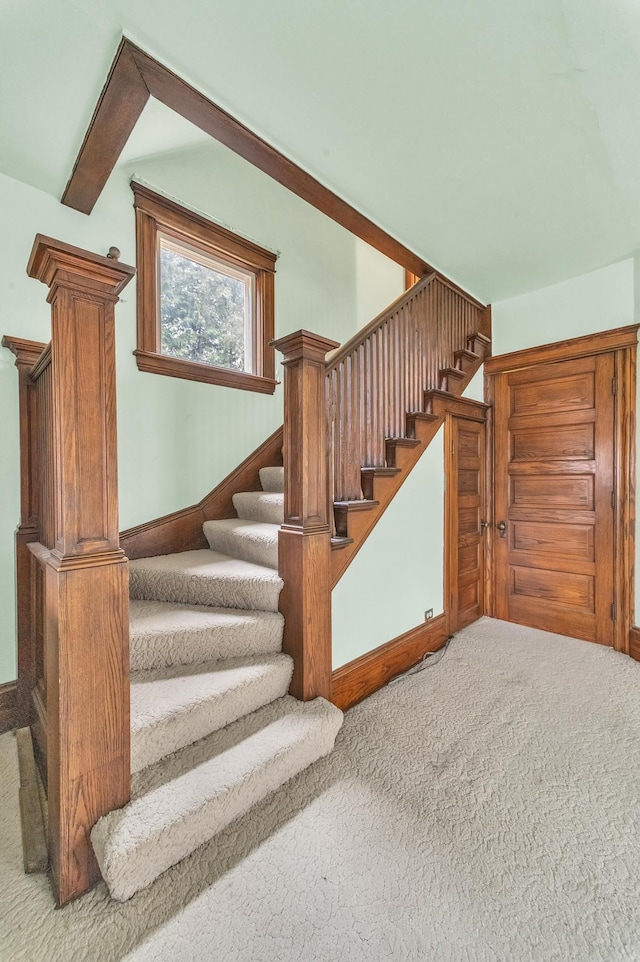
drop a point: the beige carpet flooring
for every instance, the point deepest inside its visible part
(486, 808)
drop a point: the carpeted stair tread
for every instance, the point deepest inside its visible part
(253, 541)
(189, 797)
(173, 707)
(260, 506)
(164, 633)
(205, 577)
(272, 479)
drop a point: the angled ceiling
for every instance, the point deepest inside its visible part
(500, 140)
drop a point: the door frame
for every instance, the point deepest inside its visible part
(622, 343)
(465, 409)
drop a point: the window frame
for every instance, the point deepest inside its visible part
(157, 215)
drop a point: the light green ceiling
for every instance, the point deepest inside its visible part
(498, 139)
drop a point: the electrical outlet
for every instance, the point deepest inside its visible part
(428, 614)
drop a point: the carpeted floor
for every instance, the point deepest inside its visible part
(486, 808)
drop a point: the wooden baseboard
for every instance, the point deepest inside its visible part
(9, 713)
(360, 678)
(182, 530)
(634, 642)
(34, 842)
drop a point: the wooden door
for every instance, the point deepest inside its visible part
(465, 561)
(554, 495)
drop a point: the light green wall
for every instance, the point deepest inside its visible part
(177, 439)
(593, 302)
(498, 139)
(475, 388)
(327, 280)
(398, 573)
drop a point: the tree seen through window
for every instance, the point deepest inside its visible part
(203, 310)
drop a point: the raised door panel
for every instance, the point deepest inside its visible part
(556, 394)
(575, 441)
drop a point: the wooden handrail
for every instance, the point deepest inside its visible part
(380, 375)
(335, 357)
(42, 363)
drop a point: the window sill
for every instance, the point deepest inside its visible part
(192, 371)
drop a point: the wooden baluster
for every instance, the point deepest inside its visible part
(418, 315)
(368, 416)
(304, 547)
(347, 424)
(428, 357)
(401, 371)
(86, 576)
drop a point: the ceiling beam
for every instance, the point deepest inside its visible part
(120, 104)
(133, 78)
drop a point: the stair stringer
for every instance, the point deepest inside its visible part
(356, 520)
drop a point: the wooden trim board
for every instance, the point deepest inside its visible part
(9, 713)
(634, 642)
(34, 844)
(600, 343)
(365, 675)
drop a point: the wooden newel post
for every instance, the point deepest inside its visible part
(86, 573)
(27, 353)
(305, 538)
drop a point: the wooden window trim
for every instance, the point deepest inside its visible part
(157, 214)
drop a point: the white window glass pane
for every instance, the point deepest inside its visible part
(205, 311)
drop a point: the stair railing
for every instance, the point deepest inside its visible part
(340, 404)
(381, 374)
(73, 585)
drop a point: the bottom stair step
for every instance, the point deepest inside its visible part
(187, 798)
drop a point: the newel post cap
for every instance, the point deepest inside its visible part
(303, 345)
(58, 264)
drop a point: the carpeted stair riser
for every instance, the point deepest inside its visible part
(163, 634)
(186, 799)
(212, 729)
(252, 541)
(205, 578)
(272, 479)
(260, 506)
(173, 707)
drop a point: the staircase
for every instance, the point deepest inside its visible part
(378, 483)
(213, 730)
(158, 721)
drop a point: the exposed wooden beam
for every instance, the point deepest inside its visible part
(134, 76)
(121, 102)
